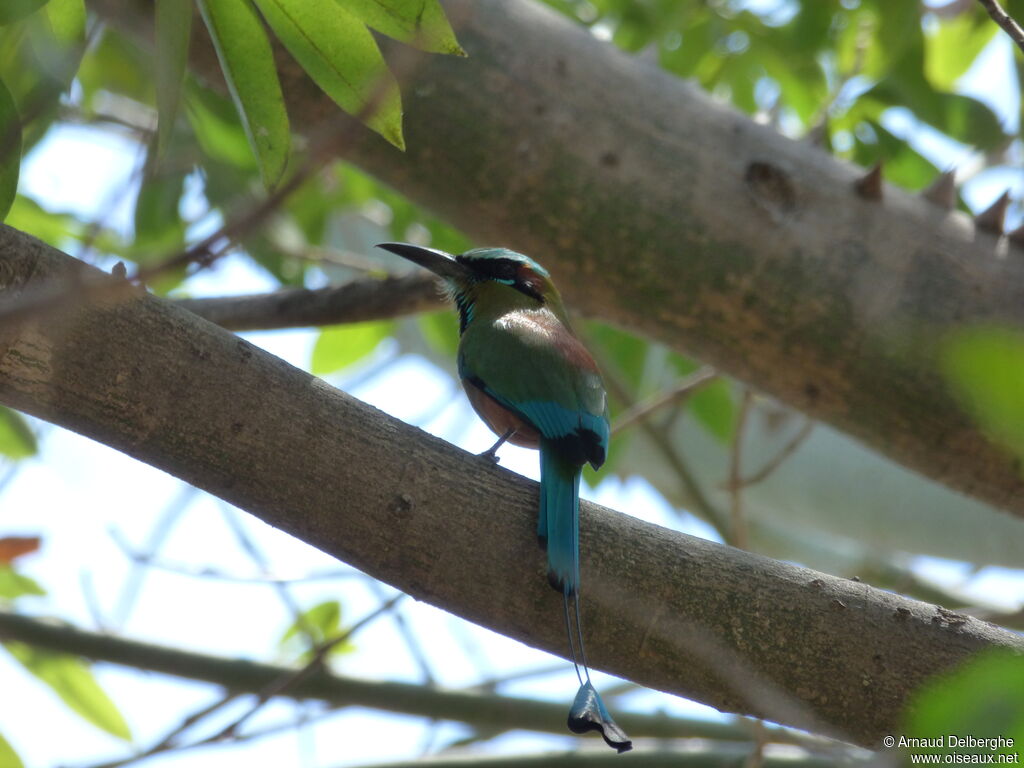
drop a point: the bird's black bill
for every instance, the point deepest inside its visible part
(440, 263)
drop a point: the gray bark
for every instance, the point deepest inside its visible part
(735, 630)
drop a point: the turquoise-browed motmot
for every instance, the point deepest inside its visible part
(535, 385)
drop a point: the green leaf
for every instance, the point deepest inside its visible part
(16, 439)
(72, 680)
(953, 47)
(248, 64)
(625, 352)
(983, 699)
(441, 332)
(961, 117)
(713, 404)
(14, 585)
(173, 29)
(340, 346)
(53, 228)
(341, 56)
(420, 23)
(54, 37)
(802, 81)
(698, 40)
(985, 368)
(10, 150)
(114, 65)
(218, 130)
(159, 229)
(67, 20)
(13, 10)
(315, 627)
(322, 620)
(714, 408)
(8, 757)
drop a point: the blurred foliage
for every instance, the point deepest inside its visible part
(10, 154)
(67, 676)
(14, 585)
(72, 680)
(985, 367)
(8, 757)
(342, 346)
(982, 700)
(312, 630)
(16, 438)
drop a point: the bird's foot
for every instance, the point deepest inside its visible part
(491, 454)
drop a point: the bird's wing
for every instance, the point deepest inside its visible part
(531, 364)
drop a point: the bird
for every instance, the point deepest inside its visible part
(533, 382)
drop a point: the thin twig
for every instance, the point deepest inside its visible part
(1004, 20)
(739, 533)
(700, 502)
(784, 453)
(406, 633)
(756, 757)
(315, 664)
(491, 684)
(248, 546)
(215, 574)
(177, 747)
(158, 534)
(681, 390)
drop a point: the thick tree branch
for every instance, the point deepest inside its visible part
(667, 213)
(358, 300)
(663, 609)
(481, 710)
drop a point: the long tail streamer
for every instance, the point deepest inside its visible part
(588, 712)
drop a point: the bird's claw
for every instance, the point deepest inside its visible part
(490, 455)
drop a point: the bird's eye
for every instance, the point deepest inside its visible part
(506, 270)
(502, 271)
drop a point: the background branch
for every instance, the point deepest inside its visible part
(664, 609)
(481, 710)
(1004, 20)
(351, 302)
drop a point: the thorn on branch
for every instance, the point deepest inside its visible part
(993, 217)
(869, 186)
(942, 191)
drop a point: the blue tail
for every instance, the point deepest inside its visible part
(559, 530)
(558, 525)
